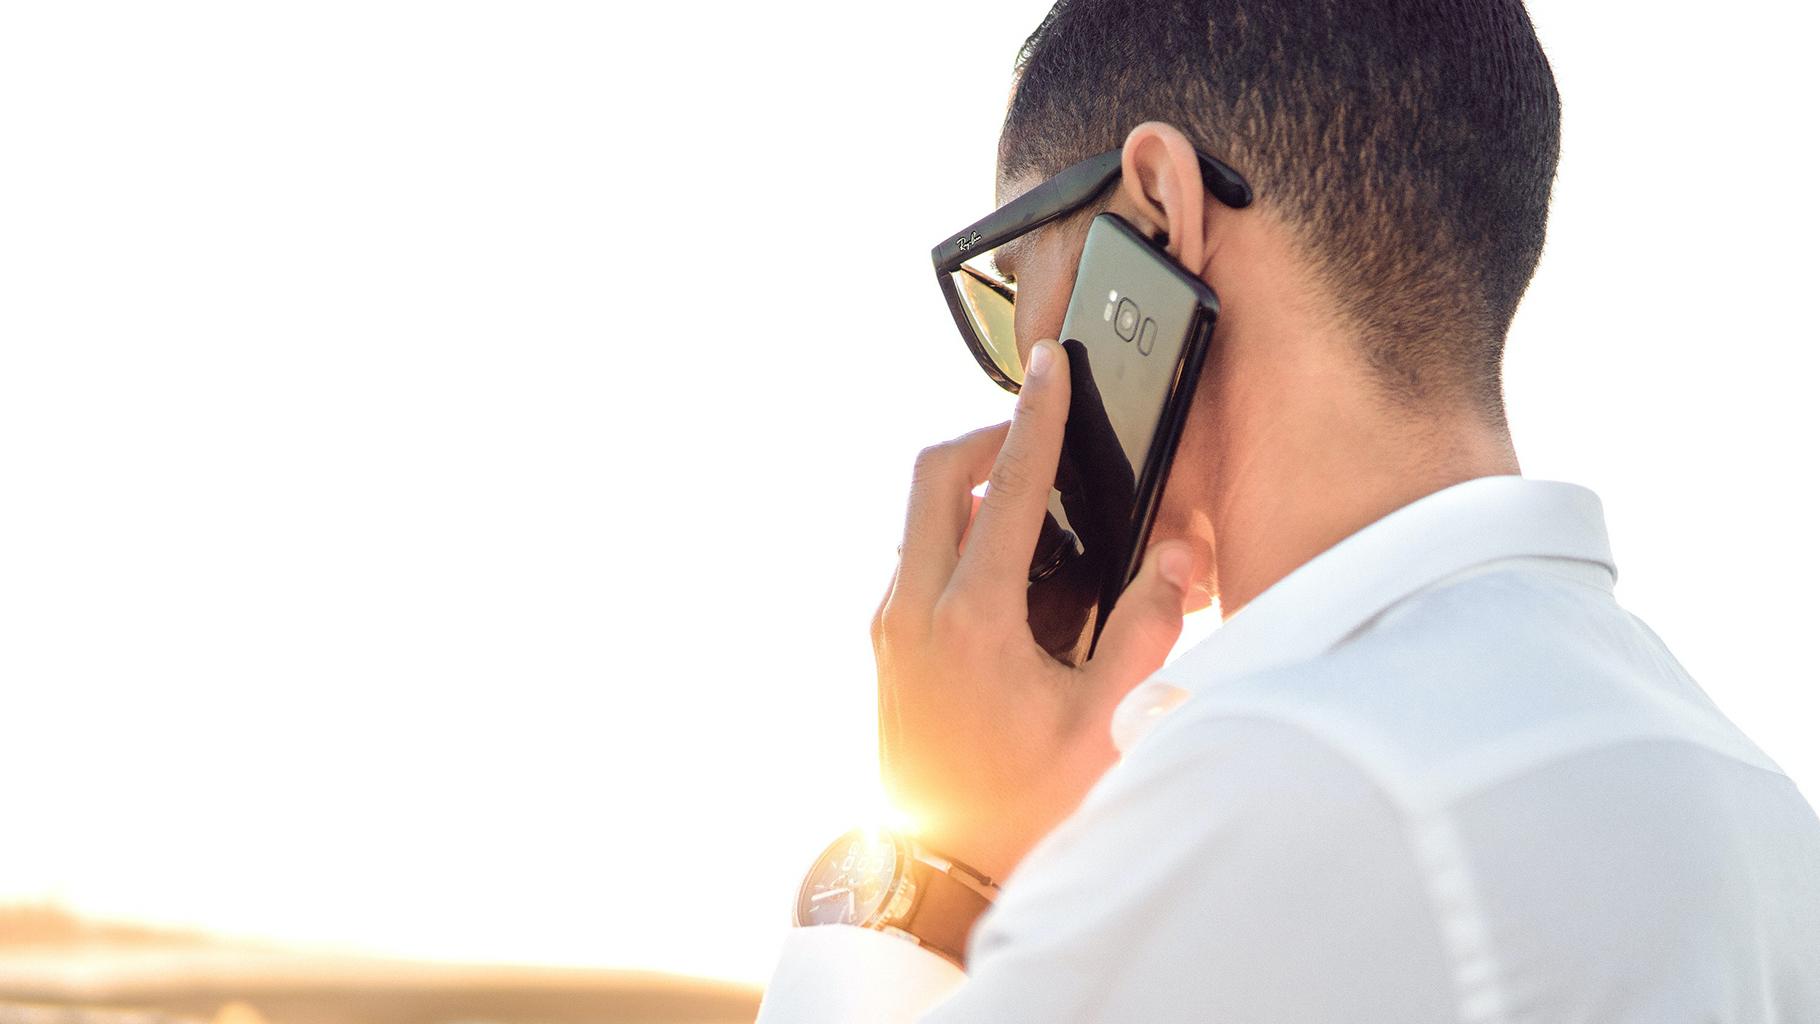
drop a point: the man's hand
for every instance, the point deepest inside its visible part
(985, 739)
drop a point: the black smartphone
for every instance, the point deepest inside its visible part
(1137, 331)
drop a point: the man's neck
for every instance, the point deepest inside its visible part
(1314, 477)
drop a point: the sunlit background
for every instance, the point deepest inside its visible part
(449, 453)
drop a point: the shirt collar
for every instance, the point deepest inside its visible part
(1326, 598)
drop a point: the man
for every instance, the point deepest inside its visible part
(1428, 769)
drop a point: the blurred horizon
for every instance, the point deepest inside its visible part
(56, 967)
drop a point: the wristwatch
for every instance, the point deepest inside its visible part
(879, 879)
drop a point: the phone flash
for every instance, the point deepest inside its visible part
(1108, 314)
(1112, 296)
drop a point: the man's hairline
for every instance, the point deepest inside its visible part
(1307, 247)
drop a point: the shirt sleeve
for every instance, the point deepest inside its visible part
(1242, 870)
(838, 974)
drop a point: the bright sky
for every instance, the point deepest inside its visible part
(449, 452)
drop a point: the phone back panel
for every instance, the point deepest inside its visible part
(1136, 333)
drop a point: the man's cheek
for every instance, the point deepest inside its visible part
(1038, 318)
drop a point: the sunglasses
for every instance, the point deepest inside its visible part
(984, 301)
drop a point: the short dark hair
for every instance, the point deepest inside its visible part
(1411, 144)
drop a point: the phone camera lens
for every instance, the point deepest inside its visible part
(1126, 322)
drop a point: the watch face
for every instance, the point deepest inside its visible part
(851, 881)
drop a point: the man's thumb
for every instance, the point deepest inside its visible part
(1147, 620)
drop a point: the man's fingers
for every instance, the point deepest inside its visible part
(1002, 539)
(973, 509)
(1145, 623)
(941, 502)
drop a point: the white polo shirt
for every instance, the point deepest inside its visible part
(1435, 774)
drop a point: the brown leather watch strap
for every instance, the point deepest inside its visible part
(944, 913)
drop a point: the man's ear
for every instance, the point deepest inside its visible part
(1162, 181)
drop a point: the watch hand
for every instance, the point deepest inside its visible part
(818, 897)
